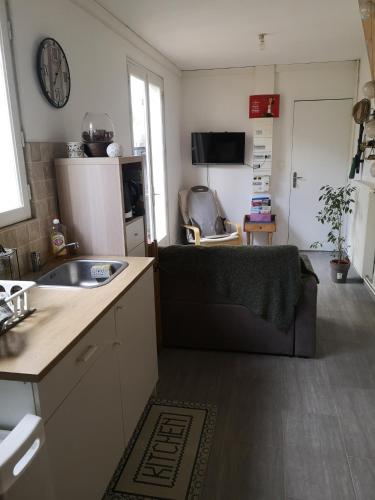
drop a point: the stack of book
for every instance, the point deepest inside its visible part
(261, 208)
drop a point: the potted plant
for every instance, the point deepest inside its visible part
(337, 204)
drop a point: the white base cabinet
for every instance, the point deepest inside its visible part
(84, 435)
(92, 399)
(137, 355)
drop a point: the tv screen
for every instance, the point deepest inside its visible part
(218, 147)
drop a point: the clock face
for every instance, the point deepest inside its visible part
(53, 72)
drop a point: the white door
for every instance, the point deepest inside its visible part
(147, 116)
(322, 139)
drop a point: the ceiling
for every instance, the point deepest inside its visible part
(203, 34)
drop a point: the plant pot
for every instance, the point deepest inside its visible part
(339, 270)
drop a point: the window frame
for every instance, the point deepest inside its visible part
(24, 212)
(148, 76)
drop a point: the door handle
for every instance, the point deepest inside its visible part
(295, 178)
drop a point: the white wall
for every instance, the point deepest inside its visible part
(211, 100)
(302, 81)
(362, 230)
(97, 60)
(217, 100)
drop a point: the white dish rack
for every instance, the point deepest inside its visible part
(16, 298)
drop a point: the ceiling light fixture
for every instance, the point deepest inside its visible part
(262, 42)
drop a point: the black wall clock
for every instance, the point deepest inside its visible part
(53, 72)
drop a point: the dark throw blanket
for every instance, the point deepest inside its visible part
(306, 267)
(266, 280)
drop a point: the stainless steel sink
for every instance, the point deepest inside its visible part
(77, 273)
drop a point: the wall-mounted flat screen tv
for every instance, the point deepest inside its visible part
(220, 148)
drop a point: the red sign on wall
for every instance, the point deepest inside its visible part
(264, 106)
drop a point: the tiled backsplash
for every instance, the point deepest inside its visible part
(33, 234)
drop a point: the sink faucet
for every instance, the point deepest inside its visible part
(74, 245)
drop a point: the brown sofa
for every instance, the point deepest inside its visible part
(237, 299)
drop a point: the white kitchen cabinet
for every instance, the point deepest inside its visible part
(134, 234)
(65, 375)
(92, 397)
(92, 203)
(138, 251)
(85, 435)
(137, 354)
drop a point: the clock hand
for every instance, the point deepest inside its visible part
(57, 73)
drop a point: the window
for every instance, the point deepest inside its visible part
(14, 198)
(146, 99)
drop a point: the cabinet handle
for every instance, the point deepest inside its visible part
(117, 343)
(22, 445)
(89, 353)
(135, 234)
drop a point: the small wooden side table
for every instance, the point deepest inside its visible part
(251, 227)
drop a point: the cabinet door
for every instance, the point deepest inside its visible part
(138, 251)
(135, 326)
(63, 377)
(135, 234)
(85, 435)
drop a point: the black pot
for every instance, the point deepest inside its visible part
(96, 149)
(339, 270)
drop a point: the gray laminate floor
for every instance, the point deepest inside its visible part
(291, 429)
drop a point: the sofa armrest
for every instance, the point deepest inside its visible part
(305, 320)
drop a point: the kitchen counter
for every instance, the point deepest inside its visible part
(62, 317)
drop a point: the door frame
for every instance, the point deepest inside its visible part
(144, 72)
(350, 149)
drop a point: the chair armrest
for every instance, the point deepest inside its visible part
(238, 230)
(197, 234)
(237, 226)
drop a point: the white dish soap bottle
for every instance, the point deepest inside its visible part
(58, 239)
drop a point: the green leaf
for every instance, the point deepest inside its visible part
(337, 203)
